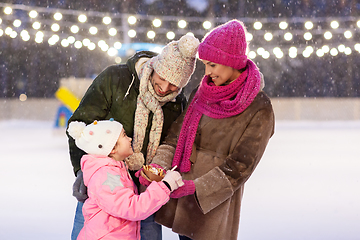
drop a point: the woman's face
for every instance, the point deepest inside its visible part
(220, 74)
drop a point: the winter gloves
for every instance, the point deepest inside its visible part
(187, 189)
(142, 180)
(173, 178)
(79, 189)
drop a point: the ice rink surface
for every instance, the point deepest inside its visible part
(307, 185)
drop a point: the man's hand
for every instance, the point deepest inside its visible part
(79, 189)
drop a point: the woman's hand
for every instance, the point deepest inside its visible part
(173, 178)
(187, 189)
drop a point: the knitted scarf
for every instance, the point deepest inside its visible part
(216, 102)
(147, 101)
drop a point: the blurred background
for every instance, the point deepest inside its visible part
(304, 48)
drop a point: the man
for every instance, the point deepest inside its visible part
(145, 96)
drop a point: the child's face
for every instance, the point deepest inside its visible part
(123, 147)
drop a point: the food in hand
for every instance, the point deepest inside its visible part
(151, 173)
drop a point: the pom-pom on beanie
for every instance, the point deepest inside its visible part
(226, 45)
(97, 138)
(176, 62)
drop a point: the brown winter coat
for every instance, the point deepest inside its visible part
(225, 153)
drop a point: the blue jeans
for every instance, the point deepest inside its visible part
(78, 221)
(150, 230)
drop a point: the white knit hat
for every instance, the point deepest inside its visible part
(97, 138)
(176, 62)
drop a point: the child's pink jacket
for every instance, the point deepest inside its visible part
(114, 209)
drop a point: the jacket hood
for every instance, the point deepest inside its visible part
(131, 62)
(91, 163)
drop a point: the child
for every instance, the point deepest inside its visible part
(114, 209)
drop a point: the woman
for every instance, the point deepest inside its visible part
(218, 141)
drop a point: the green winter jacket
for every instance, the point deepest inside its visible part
(105, 99)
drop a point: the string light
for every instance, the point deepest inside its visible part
(151, 34)
(156, 22)
(78, 44)
(327, 35)
(132, 33)
(58, 16)
(36, 25)
(182, 24)
(112, 52)
(17, 23)
(334, 52)
(325, 48)
(132, 20)
(249, 37)
(74, 29)
(86, 42)
(82, 18)
(106, 20)
(65, 43)
(307, 36)
(112, 31)
(309, 25)
(93, 30)
(348, 34)
(268, 36)
(89, 32)
(334, 24)
(357, 47)
(288, 36)
(33, 14)
(8, 10)
(170, 35)
(117, 45)
(257, 25)
(207, 25)
(55, 27)
(283, 25)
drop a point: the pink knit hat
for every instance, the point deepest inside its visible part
(226, 45)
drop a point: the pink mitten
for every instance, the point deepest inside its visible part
(142, 180)
(187, 189)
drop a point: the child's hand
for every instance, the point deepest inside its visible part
(79, 189)
(173, 178)
(142, 180)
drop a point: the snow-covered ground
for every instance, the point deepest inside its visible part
(307, 185)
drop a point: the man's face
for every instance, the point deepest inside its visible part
(161, 86)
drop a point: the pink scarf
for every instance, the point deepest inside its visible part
(216, 102)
